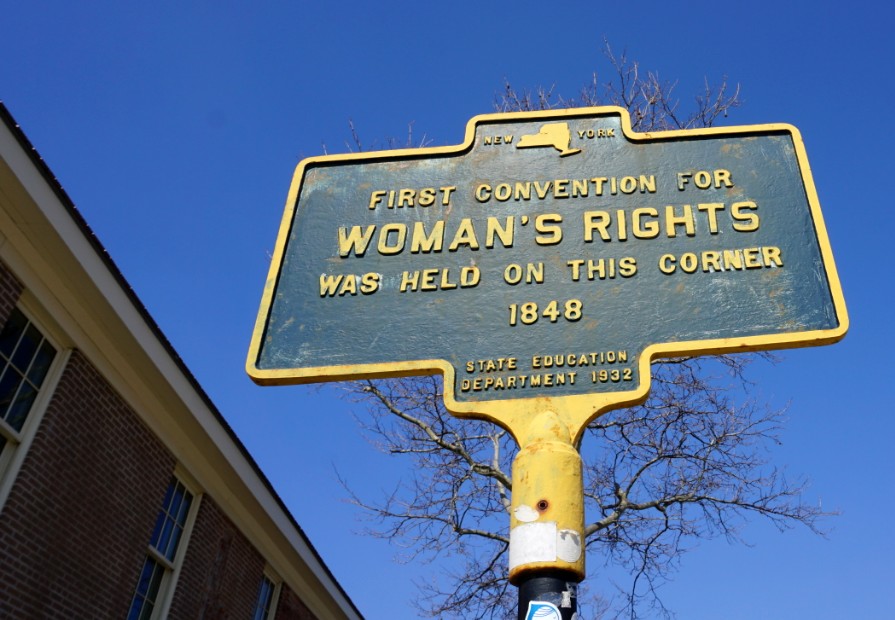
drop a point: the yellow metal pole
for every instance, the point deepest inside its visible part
(547, 511)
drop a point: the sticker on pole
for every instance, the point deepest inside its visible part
(549, 256)
(540, 610)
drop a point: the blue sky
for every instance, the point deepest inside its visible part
(175, 128)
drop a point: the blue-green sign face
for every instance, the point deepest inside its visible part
(550, 255)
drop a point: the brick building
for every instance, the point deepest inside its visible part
(123, 492)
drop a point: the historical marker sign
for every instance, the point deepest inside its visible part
(547, 259)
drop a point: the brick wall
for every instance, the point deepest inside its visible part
(75, 528)
(290, 607)
(221, 573)
(10, 291)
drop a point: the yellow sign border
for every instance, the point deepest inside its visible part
(577, 410)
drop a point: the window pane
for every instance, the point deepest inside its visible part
(171, 520)
(143, 585)
(24, 350)
(156, 531)
(265, 595)
(9, 385)
(152, 593)
(176, 500)
(18, 412)
(160, 521)
(147, 590)
(184, 509)
(174, 542)
(21, 357)
(187, 502)
(41, 364)
(165, 538)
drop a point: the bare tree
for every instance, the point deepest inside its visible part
(652, 102)
(690, 463)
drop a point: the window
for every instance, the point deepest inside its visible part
(170, 526)
(266, 597)
(25, 358)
